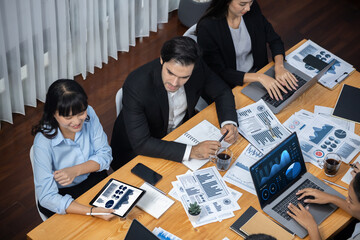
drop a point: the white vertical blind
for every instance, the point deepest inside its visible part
(44, 40)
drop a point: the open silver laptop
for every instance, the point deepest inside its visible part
(256, 91)
(279, 175)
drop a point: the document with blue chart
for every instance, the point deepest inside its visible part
(208, 189)
(239, 173)
(260, 127)
(338, 72)
(319, 136)
(119, 196)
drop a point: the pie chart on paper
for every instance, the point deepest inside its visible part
(340, 133)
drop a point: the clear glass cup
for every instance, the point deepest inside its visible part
(331, 164)
(222, 159)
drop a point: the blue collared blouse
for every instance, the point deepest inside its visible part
(54, 154)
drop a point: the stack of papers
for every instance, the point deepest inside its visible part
(338, 72)
(258, 124)
(239, 173)
(208, 189)
(319, 135)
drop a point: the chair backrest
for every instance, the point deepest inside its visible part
(43, 217)
(118, 101)
(191, 32)
(201, 104)
(190, 11)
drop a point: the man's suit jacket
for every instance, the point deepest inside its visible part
(143, 120)
(214, 38)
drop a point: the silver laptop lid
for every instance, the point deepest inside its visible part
(278, 170)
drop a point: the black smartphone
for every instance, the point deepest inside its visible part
(146, 173)
(314, 62)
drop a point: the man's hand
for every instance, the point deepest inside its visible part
(66, 176)
(204, 149)
(232, 135)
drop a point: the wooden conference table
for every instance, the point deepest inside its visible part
(175, 220)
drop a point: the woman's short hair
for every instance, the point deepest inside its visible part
(65, 96)
(183, 50)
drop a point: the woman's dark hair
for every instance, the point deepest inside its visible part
(65, 96)
(260, 236)
(183, 50)
(356, 185)
(217, 9)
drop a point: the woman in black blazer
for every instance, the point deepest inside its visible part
(237, 27)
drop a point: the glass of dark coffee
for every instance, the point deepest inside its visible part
(331, 164)
(222, 159)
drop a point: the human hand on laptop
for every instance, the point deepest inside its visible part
(302, 215)
(272, 86)
(285, 78)
(314, 196)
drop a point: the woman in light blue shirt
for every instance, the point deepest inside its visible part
(71, 151)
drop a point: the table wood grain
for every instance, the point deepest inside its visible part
(175, 220)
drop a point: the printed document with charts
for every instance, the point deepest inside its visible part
(338, 72)
(201, 132)
(319, 135)
(258, 124)
(208, 189)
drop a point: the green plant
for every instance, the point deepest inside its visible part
(194, 209)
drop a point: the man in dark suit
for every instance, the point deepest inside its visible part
(162, 94)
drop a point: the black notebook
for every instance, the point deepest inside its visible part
(242, 220)
(347, 105)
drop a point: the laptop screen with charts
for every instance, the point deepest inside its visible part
(138, 231)
(279, 175)
(256, 91)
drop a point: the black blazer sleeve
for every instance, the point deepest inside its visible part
(222, 95)
(145, 137)
(214, 38)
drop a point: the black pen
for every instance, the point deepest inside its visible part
(353, 166)
(223, 136)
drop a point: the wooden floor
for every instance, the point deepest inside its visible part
(332, 24)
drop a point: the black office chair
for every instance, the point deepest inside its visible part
(189, 11)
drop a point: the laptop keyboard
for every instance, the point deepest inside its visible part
(285, 96)
(282, 207)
